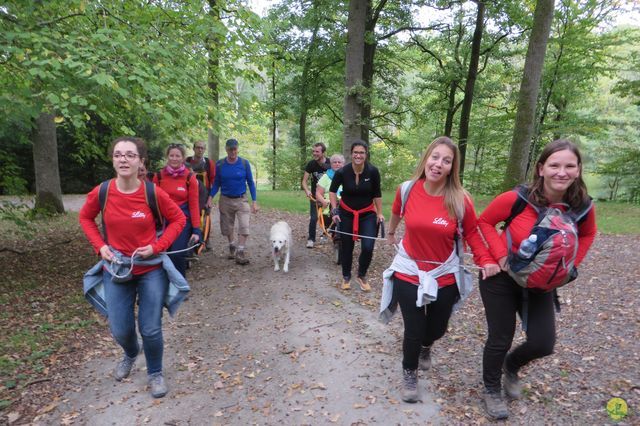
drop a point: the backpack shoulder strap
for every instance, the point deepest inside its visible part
(405, 189)
(207, 165)
(159, 176)
(519, 205)
(152, 200)
(103, 193)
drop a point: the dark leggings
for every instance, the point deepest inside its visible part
(313, 220)
(368, 226)
(420, 328)
(182, 242)
(502, 298)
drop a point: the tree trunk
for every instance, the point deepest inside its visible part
(467, 103)
(354, 59)
(451, 108)
(214, 44)
(527, 99)
(274, 146)
(304, 95)
(45, 162)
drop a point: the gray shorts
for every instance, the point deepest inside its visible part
(230, 208)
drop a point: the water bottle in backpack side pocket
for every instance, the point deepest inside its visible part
(528, 247)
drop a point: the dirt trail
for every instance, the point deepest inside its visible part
(256, 346)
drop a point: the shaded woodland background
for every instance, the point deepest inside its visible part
(75, 74)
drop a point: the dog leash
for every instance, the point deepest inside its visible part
(115, 261)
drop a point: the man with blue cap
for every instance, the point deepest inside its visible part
(233, 175)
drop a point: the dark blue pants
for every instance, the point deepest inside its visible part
(182, 242)
(368, 227)
(149, 289)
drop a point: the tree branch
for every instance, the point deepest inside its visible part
(426, 50)
(334, 113)
(55, 21)
(412, 29)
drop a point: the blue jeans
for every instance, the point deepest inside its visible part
(150, 289)
(313, 220)
(182, 242)
(369, 227)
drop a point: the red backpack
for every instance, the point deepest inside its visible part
(552, 264)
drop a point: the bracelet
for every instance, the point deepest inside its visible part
(335, 211)
(391, 233)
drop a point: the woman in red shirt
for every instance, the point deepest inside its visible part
(132, 228)
(557, 182)
(182, 186)
(427, 255)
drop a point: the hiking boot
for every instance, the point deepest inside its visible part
(495, 405)
(309, 244)
(510, 383)
(123, 368)
(241, 259)
(157, 385)
(232, 251)
(346, 285)
(410, 385)
(364, 285)
(424, 362)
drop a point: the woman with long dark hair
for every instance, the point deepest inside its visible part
(557, 184)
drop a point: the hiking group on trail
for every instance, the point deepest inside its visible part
(548, 228)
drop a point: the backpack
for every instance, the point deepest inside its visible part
(203, 194)
(553, 262)
(202, 175)
(149, 195)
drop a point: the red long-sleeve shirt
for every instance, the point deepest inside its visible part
(176, 187)
(129, 221)
(500, 209)
(430, 232)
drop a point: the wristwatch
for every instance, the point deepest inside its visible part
(335, 211)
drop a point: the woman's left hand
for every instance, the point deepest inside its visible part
(145, 251)
(194, 239)
(490, 270)
(380, 218)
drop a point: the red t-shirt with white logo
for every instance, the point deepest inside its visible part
(130, 222)
(429, 232)
(176, 187)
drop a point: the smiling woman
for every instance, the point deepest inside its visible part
(132, 230)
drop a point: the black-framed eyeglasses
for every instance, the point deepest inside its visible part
(127, 155)
(359, 153)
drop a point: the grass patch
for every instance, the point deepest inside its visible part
(612, 217)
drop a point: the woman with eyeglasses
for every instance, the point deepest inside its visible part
(359, 212)
(182, 186)
(131, 227)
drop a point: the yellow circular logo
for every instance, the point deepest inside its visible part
(617, 408)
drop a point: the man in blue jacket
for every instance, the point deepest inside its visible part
(233, 175)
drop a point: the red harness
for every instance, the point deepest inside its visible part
(356, 216)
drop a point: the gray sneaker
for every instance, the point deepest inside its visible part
(410, 385)
(123, 368)
(241, 258)
(232, 251)
(157, 385)
(424, 362)
(510, 383)
(495, 405)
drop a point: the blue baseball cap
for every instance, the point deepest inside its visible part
(231, 143)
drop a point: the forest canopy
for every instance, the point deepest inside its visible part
(75, 74)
